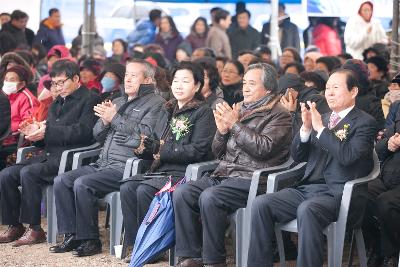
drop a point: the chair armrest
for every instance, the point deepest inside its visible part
(140, 166)
(23, 151)
(255, 180)
(349, 186)
(66, 153)
(128, 168)
(80, 156)
(285, 178)
(195, 171)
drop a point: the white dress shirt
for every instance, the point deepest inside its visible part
(305, 135)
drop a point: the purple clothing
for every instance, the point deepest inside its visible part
(169, 45)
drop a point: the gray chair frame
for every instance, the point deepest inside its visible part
(336, 231)
(239, 219)
(47, 192)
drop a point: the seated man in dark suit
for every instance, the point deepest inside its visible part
(251, 135)
(381, 223)
(119, 128)
(337, 148)
(69, 125)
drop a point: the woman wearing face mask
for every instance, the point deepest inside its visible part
(112, 80)
(391, 101)
(183, 135)
(23, 103)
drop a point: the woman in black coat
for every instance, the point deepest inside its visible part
(183, 135)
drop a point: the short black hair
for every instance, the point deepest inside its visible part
(124, 44)
(351, 80)
(238, 65)
(247, 51)
(196, 70)
(5, 14)
(220, 14)
(262, 49)
(300, 68)
(240, 5)
(53, 10)
(328, 61)
(295, 53)
(208, 52)
(155, 14)
(212, 73)
(65, 66)
(18, 14)
(215, 9)
(243, 11)
(345, 56)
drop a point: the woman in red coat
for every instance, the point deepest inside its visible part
(326, 38)
(23, 103)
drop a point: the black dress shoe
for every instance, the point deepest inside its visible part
(67, 245)
(88, 248)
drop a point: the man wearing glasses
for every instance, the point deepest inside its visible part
(69, 125)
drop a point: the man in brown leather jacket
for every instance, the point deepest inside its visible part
(251, 135)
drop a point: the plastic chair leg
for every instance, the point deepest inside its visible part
(281, 248)
(362, 255)
(51, 216)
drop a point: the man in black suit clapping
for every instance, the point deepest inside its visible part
(338, 147)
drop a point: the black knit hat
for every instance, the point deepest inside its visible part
(396, 79)
(115, 68)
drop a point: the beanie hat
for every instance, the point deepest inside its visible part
(91, 65)
(117, 69)
(360, 70)
(23, 73)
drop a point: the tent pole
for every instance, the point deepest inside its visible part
(88, 30)
(395, 36)
(274, 44)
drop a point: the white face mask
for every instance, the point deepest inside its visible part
(10, 87)
(394, 95)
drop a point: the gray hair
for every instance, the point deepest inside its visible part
(269, 77)
(149, 69)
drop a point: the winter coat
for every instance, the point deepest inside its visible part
(380, 87)
(371, 105)
(135, 117)
(193, 147)
(196, 41)
(144, 33)
(243, 39)
(392, 114)
(233, 93)
(23, 105)
(70, 122)
(357, 38)
(5, 111)
(327, 40)
(218, 40)
(49, 35)
(289, 33)
(258, 140)
(20, 36)
(170, 45)
(390, 166)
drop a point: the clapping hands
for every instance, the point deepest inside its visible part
(226, 116)
(311, 118)
(34, 131)
(106, 111)
(394, 142)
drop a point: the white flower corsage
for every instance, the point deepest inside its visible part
(342, 133)
(180, 126)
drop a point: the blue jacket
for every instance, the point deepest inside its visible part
(144, 33)
(49, 36)
(391, 117)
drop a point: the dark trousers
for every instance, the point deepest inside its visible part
(201, 216)
(383, 205)
(313, 206)
(135, 202)
(32, 175)
(76, 195)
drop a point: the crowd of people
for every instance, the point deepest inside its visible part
(215, 94)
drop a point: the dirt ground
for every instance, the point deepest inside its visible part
(39, 255)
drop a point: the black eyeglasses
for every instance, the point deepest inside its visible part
(59, 83)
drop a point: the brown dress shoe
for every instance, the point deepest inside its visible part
(190, 263)
(31, 237)
(12, 234)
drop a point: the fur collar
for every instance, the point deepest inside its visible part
(172, 106)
